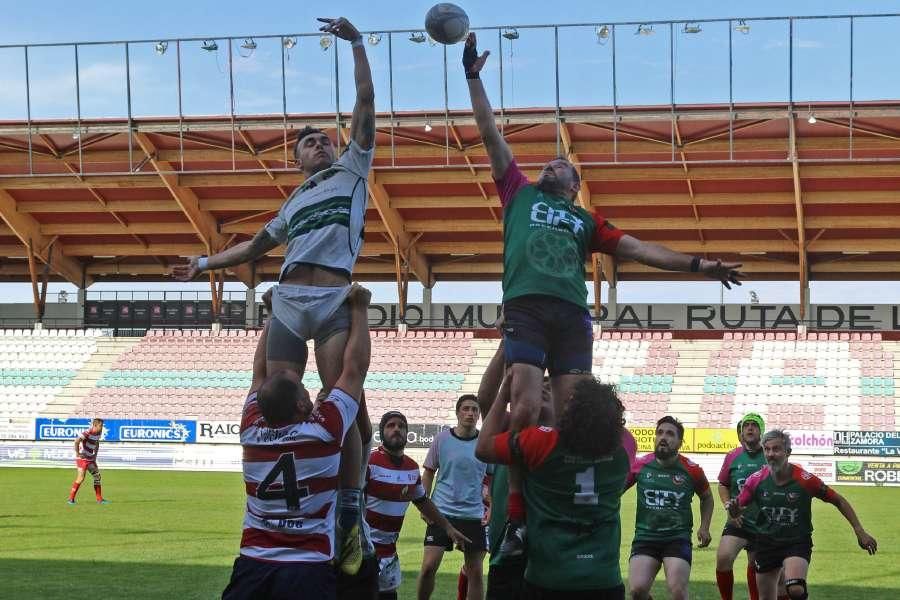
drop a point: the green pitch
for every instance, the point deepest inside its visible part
(174, 535)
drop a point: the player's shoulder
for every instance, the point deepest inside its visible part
(800, 474)
(645, 461)
(735, 453)
(760, 475)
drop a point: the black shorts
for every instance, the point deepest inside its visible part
(549, 333)
(471, 528)
(660, 549)
(743, 534)
(770, 556)
(257, 580)
(533, 592)
(363, 585)
(504, 582)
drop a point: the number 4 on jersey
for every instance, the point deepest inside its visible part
(287, 490)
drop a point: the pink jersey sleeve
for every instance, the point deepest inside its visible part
(725, 471)
(813, 486)
(511, 182)
(606, 235)
(636, 466)
(746, 496)
(630, 446)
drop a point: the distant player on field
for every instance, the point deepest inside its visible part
(290, 462)
(547, 238)
(392, 482)
(740, 533)
(573, 487)
(87, 444)
(783, 493)
(666, 483)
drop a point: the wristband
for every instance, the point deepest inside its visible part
(695, 264)
(357, 43)
(203, 263)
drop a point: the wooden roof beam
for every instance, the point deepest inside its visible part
(27, 229)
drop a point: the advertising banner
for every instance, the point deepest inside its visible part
(419, 435)
(118, 430)
(823, 468)
(867, 443)
(877, 472)
(61, 454)
(22, 430)
(812, 442)
(218, 432)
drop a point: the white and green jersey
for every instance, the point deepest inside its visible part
(322, 221)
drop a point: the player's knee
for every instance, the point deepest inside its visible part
(640, 589)
(678, 590)
(796, 589)
(724, 560)
(96, 478)
(429, 568)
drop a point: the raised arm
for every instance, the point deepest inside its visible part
(493, 424)
(358, 351)
(490, 381)
(660, 257)
(497, 149)
(238, 254)
(362, 126)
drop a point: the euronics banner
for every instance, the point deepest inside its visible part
(868, 471)
(118, 430)
(867, 443)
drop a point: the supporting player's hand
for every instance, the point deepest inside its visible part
(727, 273)
(737, 521)
(267, 299)
(359, 296)
(340, 27)
(459, 540)
(703, 537)
(187, 272)
(472, 63)
(866, 542)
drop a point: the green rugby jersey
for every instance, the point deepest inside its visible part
(572, 503)
(738, 466)
(546, 241)
(664, 495)
(785, 511)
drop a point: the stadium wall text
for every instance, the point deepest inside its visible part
(858, 317)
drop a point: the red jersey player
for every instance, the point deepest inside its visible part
(86, 446)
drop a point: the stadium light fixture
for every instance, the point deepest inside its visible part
(511, 33)
(210, 45)
(289, 43)
(428, 126)
(249, 44)
(161, 47)
(325, 42)
(742, 27)
(811, 119)
(374, 38)
(691, 28)
(644, 30)
(754, 297)
(417, 36)
(602, 34)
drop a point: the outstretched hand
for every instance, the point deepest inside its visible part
(472, 63)
(727, 273)
(339, 27)
(188, 271)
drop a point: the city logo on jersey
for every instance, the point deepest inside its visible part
(782, 515)
(542, 214)
(678, 479)
(662, 498)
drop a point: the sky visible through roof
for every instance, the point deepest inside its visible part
(644, 64)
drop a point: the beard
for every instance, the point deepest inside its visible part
(664, 453)
(395, 443)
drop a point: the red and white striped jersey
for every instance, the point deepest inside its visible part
(90, 444)
(291, 478)
(390, 487)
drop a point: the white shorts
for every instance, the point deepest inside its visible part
(389, 575)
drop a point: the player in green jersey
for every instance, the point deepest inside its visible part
(575, 475)
(739, 534)
(547, 238)
(666, 483)
(783, 492)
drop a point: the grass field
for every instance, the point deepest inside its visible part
(174, 535)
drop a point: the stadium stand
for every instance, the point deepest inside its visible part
(817, 381)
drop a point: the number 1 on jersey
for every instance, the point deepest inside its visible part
(585, 484)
